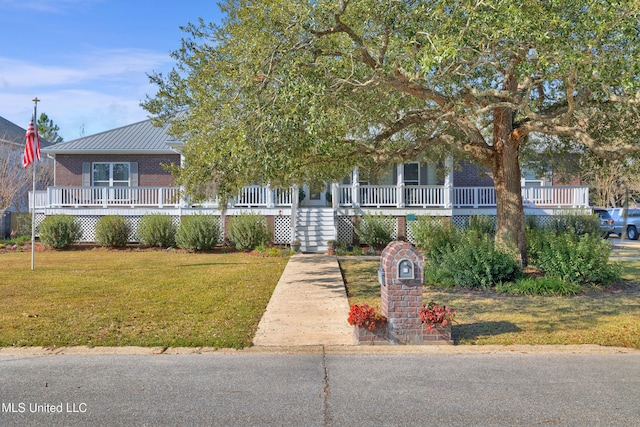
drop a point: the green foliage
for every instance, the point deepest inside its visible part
(112, 231)
(156, 230)
(316, 88)
(576, 223)
(547, 285)
(198, 232)
(59, 231)
(476, 262)
(483, 224)
(434, 238)
(24, 223)
(48, 130)
(578, 259)
(248, 231)
(374, 230)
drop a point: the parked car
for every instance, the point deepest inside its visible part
(633, 222)
(606, 221)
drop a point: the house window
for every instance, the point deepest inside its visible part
(111, 175)
(412, 173)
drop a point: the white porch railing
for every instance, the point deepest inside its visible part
(474, 196)
(438, 196)
(259, 196)
(108, 196)
(425, 196)
(104, 197)
(417, 196)
(556, 196)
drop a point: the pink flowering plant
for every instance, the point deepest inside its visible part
(365, 316)
(433, 314)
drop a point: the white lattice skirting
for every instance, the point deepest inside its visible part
(282, 227)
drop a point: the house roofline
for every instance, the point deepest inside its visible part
(107, 152)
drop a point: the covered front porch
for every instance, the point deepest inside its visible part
(338, 196)
(297, 213)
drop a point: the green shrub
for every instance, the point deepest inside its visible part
(374, 231)
(578, 224)
(547, 285)
(198, 232)
(112, 231)
(475, 262)
(483, 224)
(59, 231)
(248, 231)
(23, 220)
(574, 258)
(156, 230)
(434, 238)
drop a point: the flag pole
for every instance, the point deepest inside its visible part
(33, 197)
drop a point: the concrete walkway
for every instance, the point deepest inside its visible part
(309, 306)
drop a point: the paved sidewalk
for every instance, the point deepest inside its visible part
(309, 306)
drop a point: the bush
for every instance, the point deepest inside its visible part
(248, 231)
(112, 231)
(578, 224)
(59, 231)
(434, 238)
(483, 224)
(574, 258)
(374, 231)
(547, 285)
(198, 232)
(475, 262)
(156, 230)
(23, 224)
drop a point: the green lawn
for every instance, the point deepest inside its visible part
(134, 298)
(608, 317)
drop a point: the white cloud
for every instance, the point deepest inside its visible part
(94, 91)
(90, 66)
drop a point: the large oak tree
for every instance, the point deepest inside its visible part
(287, 91)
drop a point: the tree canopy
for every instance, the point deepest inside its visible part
(48, 130)
(288, 92)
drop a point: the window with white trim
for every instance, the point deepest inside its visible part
(111, 174)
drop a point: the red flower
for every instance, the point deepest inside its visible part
(433, 314)
(365, 316)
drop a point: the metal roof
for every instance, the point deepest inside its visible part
(11, 133)
(137, 138)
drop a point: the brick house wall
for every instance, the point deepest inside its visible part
(150, 172)
(471, 175)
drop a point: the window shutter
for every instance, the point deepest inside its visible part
(86, 174)
(133, 171)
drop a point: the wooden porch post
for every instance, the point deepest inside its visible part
(448, 184)
(400, 185)
(355, 188)
(294, 211)
(335, 195)
(270, 197)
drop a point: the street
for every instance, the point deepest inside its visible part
(321, 389)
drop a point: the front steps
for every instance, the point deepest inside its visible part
(315, 226)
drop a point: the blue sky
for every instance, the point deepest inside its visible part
(88, 60)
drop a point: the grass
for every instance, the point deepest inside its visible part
(609, 317)
(134, 298)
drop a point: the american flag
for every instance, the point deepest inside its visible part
(29, 157)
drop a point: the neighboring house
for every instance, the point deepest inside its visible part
(15, 182)
(121, 172)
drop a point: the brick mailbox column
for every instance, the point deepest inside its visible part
(401, 277)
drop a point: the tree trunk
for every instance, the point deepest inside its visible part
(510, 224)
